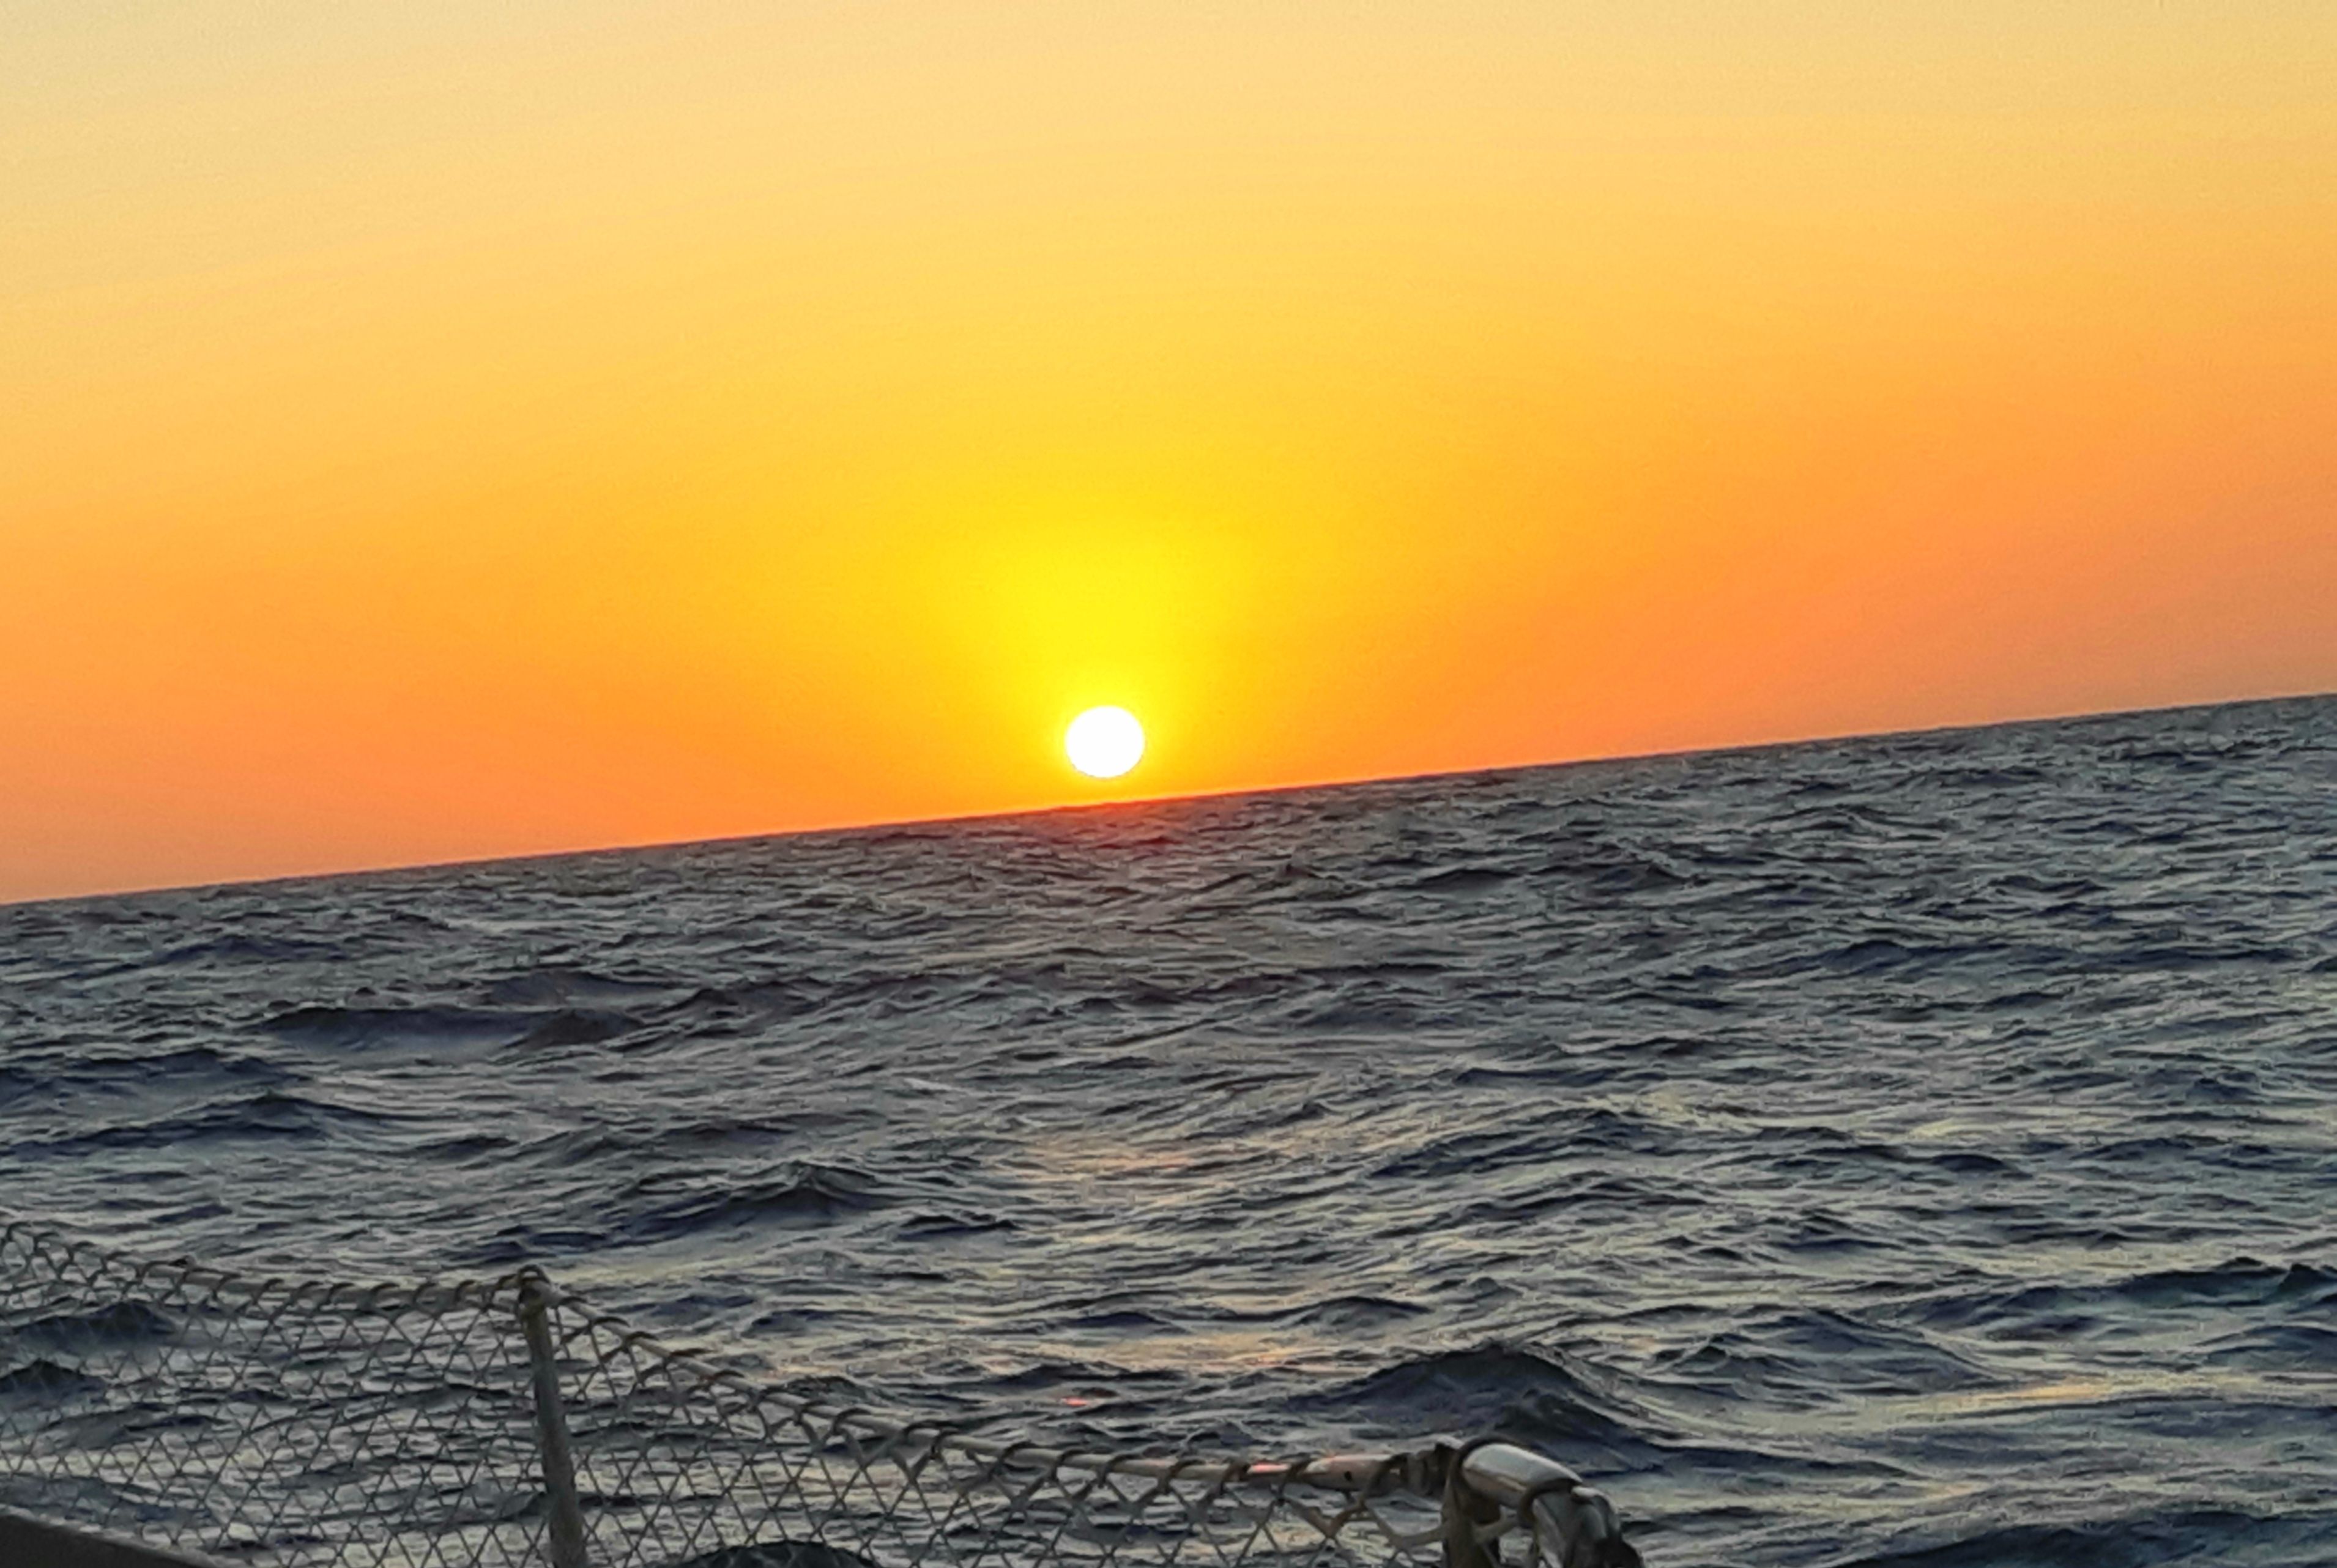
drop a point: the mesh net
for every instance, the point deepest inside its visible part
(266, 1420)
(273, 1421)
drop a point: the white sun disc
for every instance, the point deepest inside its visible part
(1104, 742)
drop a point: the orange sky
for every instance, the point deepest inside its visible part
(439, 430)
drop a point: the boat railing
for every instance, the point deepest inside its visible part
(201, 1414)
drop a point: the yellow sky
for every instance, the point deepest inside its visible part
(436, 430)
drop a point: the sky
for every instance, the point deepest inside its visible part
(431, 430)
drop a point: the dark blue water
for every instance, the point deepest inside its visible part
(1907, 1151)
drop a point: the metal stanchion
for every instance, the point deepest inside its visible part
(551, 1429)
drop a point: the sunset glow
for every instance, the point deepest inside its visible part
(437, 431)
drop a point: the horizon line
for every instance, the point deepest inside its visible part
(1235, 792)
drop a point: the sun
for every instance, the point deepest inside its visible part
(1104, 742)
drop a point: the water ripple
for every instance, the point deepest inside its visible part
(1908, 1150)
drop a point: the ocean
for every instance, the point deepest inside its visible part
(1897, 1151)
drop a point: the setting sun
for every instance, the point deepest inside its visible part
(1104, 742)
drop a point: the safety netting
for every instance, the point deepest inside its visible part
(469, 1424)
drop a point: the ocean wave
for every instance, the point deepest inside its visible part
(119, 1323)
(42, 1381)
(673, 1203)
(318, 1025)
(1536, 1395)
(1803, 1357)
(2154, 1540)
(269, 1115)
(1868, 1147)
(567, 987)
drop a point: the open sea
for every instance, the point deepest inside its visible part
(1916, 1150)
